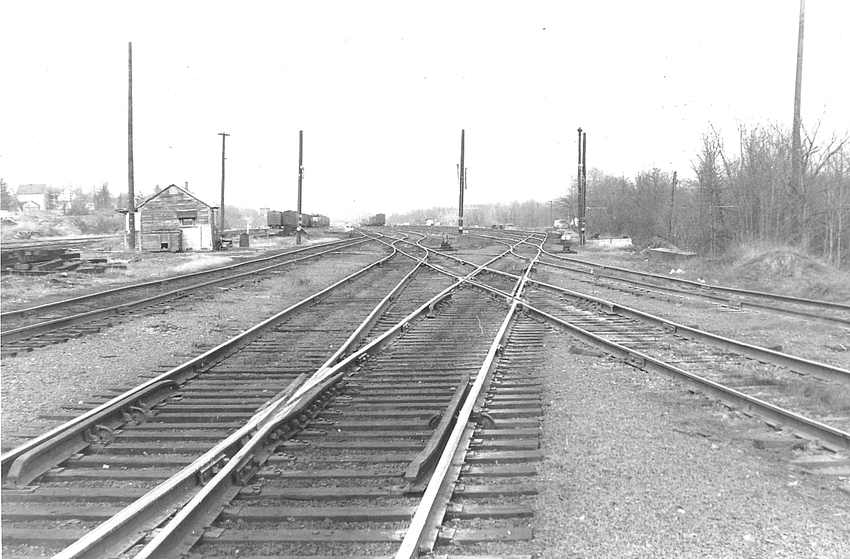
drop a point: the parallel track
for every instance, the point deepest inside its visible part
(418, 435)
(27, 329)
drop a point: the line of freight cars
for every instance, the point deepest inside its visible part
(288, 220)
(375, 220)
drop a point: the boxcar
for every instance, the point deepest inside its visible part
(376, 220)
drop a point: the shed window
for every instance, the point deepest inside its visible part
(187, 217)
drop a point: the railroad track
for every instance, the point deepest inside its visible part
(29, 328)
(806, 397)
(142, 464)
(418, 434)
(64, 242)
(779, 387)
(654, 285)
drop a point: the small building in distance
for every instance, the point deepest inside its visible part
(174, 219)
(35, 197)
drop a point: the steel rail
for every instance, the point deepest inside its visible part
(483, 286)
(120, 531)
(424, 527)
(31, 244)
(738, 303)
(773, 296)
(26, 332)
(182, 531)
(830, 437)
(19, 313)
(22, 464)
(796, 364)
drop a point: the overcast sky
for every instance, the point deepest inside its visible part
(382, 91)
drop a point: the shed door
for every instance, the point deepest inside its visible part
(197, 238)
(192, 238)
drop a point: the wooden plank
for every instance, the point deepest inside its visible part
(42, 537)
(506, 444)
(401, 457)
(301, 536)
(503, 457)
(471, 510)
(94, 474)
(510, 470)
(338, 514)
(319, 474)
(472, 536)
(70, 494)
(29, 512)
(318, 493)
(494, 490)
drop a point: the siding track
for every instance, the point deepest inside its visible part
(27, 329)
(395, 414)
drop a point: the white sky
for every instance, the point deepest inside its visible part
(383, 89)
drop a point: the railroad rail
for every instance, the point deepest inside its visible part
(431, 309)
(62, 242)
(643, 282)
(29, 328)
(422, 423)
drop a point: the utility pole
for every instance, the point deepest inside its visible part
(797, 147)
(672, 208)
(462, 178)
(221, 210)
(300, 178)
(582, 232)
(131, 194)
(581, 179)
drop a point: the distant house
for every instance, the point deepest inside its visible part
(174, 219)
(35, 197)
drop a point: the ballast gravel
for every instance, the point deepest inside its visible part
(637, 466)
(69, 373)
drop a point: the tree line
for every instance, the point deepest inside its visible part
(738, 196)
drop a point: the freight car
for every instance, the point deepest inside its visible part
(282, 220)
(288, 220)
(321, 221)
(376, 220)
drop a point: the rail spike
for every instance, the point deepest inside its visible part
(100, 434)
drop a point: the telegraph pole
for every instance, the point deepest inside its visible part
(582, 232)
(462, 178)
(581, 179)
(672, 208)
(300, 178)
(131, 194)
(796, 142)
(221, 210)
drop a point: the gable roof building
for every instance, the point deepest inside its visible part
(175, 219)
(35, 197)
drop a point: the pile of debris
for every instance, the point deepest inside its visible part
(42, 261)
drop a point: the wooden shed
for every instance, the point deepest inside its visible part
(174, 220)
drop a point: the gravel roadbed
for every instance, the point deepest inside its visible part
(43, 380)
(637, 466)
